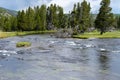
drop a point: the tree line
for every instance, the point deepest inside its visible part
(80, 19)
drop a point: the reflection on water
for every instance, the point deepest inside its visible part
(59, 59)
(104, 60)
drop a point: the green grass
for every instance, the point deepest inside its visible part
(114, 34)
(95, 34)
(23, 44)
(10, 34)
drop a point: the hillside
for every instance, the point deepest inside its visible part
(7, 12)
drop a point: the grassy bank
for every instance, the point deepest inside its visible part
(10, 34)
(114, 34)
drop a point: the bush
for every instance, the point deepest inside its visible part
(23, 44)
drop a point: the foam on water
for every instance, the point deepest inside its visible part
(52, 42)
(70, 42)
(89, 45)
(103, 50)
(7, 51)
(6, 54)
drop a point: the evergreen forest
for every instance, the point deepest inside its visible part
(79, 19)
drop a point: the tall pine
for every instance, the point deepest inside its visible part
(30, 19)
(104, 19)
(80, 17)
(85, 16)
(43, 17)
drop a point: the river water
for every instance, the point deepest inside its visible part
(59, 59)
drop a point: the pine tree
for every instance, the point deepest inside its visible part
(118, 22)
(85, 16)
(43, 17)
(13, 22)
(78, 13)
(80, 17)
(37, 18)
(2, 19)
(48, 19)
(7, 25)
(73, 21)
(30, 19)
(22, 21)
(61, 19)
(104, 18)
(54, 16)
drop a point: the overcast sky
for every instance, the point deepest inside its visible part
(66, 4)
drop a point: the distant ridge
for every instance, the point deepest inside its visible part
(7, 12)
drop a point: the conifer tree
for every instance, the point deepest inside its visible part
(85, 15)
(21, 21)
(80, 17)
(118, 22)
(7, 25)
(13, 22)
(43, 17)
(104, 18)
(54, 15)
(61, 19)
(37, 18)
(30, 19)
(2, 19)
(73, 17)
(48, 19)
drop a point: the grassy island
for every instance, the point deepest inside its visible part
(23, 44)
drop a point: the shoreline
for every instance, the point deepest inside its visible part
(87, 35)
(96, 35)
(24, 33)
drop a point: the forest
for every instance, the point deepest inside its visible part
(80, 19)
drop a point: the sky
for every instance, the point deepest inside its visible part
(66, 4)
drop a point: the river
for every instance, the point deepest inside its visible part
(51, 58)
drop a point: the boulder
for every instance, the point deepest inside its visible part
(64, 33)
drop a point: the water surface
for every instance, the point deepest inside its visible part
(59, 59)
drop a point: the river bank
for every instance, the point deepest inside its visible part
(107, 35)
(87, 35)
(11, 34)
